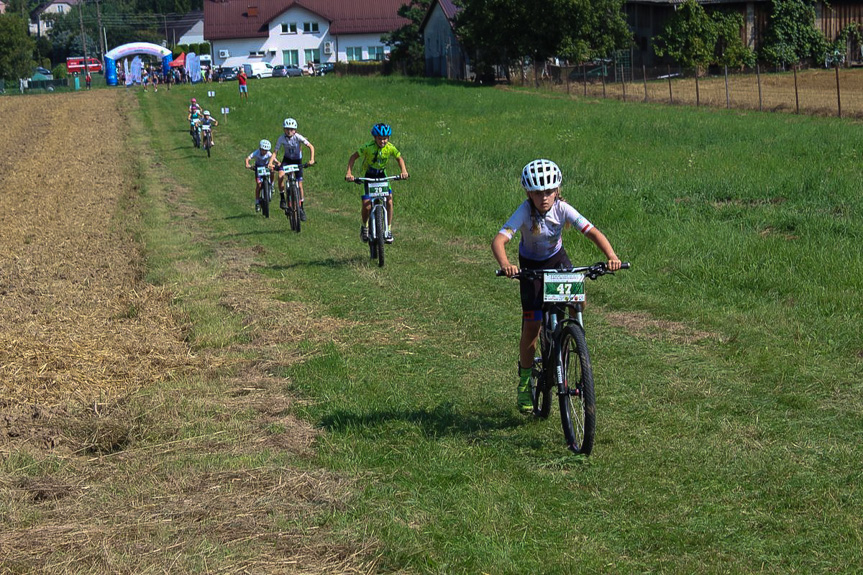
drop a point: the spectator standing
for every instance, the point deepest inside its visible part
(244, 88)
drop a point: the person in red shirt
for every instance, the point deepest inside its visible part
(244, 88)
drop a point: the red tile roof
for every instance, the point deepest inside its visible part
(225, 19)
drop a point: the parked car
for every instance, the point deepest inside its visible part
(324, 69)
(286, 71)
(226, 74)
(41, 73)
(258, 70)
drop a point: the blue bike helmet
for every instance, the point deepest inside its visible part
(383, 130)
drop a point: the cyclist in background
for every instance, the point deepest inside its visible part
(375, 155)
(541, 220)
(262, 157)
(292, 142)
(208, 120)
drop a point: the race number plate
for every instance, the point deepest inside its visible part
(378, 189)
(563, 287)
(263, 171)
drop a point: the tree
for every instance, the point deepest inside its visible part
(689, 37)
(506, 31)
(407, 43)
(16, 48)
(791, 36)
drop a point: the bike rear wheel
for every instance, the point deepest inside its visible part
(295, 206)
(266, 196)
(576, 392)
(379, 236)
(540, 382)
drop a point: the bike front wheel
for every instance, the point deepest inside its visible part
(295, 206)
(576, 392)
(379, 236)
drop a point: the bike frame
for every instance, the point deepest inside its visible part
(377, 190)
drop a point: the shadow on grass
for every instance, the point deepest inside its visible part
(442, 420)
(325, 263)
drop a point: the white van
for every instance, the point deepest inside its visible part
(258, 70)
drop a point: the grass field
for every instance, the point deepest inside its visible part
(727, 360)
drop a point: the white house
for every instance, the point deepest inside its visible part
(39, 25)
(299, 31)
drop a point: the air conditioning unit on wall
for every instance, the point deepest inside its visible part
(328, 47)
(224, 54)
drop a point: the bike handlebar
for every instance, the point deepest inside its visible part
(592, 272)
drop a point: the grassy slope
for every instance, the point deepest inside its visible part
(729, 421)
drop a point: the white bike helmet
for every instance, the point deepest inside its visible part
(290, 123)
(206, 112)
(265, 145)
(540, 175)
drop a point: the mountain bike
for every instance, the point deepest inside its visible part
(262, 173)
(292, 194)
(563, 366)
(196, 133)
(377, 190)
(207, 137)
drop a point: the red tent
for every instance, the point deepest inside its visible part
(179, 61)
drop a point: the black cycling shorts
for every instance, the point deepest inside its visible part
(531, 291)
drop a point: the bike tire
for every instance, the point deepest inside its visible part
(379, 236)
(265, 198)
(576, 393)
(540, 381)
(295, 207)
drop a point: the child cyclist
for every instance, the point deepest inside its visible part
(208, 120)
(292, 142)
(375, 155)
(541, 220)
(262, 157)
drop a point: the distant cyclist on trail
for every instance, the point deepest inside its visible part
(208, 120)
(262, 157)
(541, 220)
(375, 155)
(293, 142)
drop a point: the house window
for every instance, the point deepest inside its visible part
(376, 52)
(289, 27)
(291, 57)
(354, 53)
(310, 27)
(313, 56)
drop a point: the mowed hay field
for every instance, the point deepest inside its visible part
(78, 322)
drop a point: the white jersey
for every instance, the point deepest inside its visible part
(293, 151)
(541, 234)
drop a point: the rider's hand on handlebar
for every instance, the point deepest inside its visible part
(509, 270)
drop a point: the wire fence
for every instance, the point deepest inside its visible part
(823, 92)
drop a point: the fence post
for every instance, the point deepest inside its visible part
(796, 93)
(670, 95)
(603, 79)
(758, 76)
(838, 93)
(644, 78)
(584, 77)
(727, 97)
(697, 91)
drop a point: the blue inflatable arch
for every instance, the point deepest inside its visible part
(131, 49)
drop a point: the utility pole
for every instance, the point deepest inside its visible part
(83, 38)
(102, 47)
